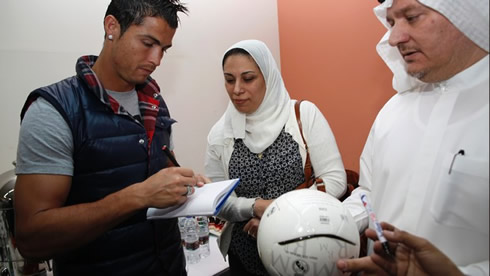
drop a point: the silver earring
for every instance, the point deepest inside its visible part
(110, 37)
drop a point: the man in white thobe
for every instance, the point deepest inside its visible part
(425, 165)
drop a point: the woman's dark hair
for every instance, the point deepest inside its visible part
(129, 12)
(234, 51)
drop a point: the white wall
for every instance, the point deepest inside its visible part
(41, 40)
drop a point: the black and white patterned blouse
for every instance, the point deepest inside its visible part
(277, 170)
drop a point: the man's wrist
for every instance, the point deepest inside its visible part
(135, 196)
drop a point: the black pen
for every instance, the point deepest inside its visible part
(461, 151)
(170, 156)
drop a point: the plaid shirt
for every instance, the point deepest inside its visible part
(149, 97)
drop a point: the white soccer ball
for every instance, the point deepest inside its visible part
(305, 232)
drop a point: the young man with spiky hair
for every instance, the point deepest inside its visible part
(90, 160)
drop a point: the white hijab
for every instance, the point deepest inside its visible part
(469, 16)
(261, 128)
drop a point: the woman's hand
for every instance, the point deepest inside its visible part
(252, 227)
(260, 206)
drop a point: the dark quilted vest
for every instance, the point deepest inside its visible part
(112, 152)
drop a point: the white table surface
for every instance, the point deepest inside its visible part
(210, 265)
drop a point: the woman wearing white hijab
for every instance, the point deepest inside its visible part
(258, 140)
(425, 165)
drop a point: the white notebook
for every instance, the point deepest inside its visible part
(206, 201)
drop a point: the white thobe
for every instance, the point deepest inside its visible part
(416, 180)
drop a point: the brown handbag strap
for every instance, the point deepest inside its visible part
(308, 168)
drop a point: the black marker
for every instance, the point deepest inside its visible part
(170, 156)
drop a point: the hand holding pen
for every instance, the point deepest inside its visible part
(413, 256)
(170, 156)
(201, 179)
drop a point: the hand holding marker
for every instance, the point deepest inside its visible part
(170, 156)
(377, 226)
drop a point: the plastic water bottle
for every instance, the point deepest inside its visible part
(191, 241)
(181, 229)
(203, 232)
